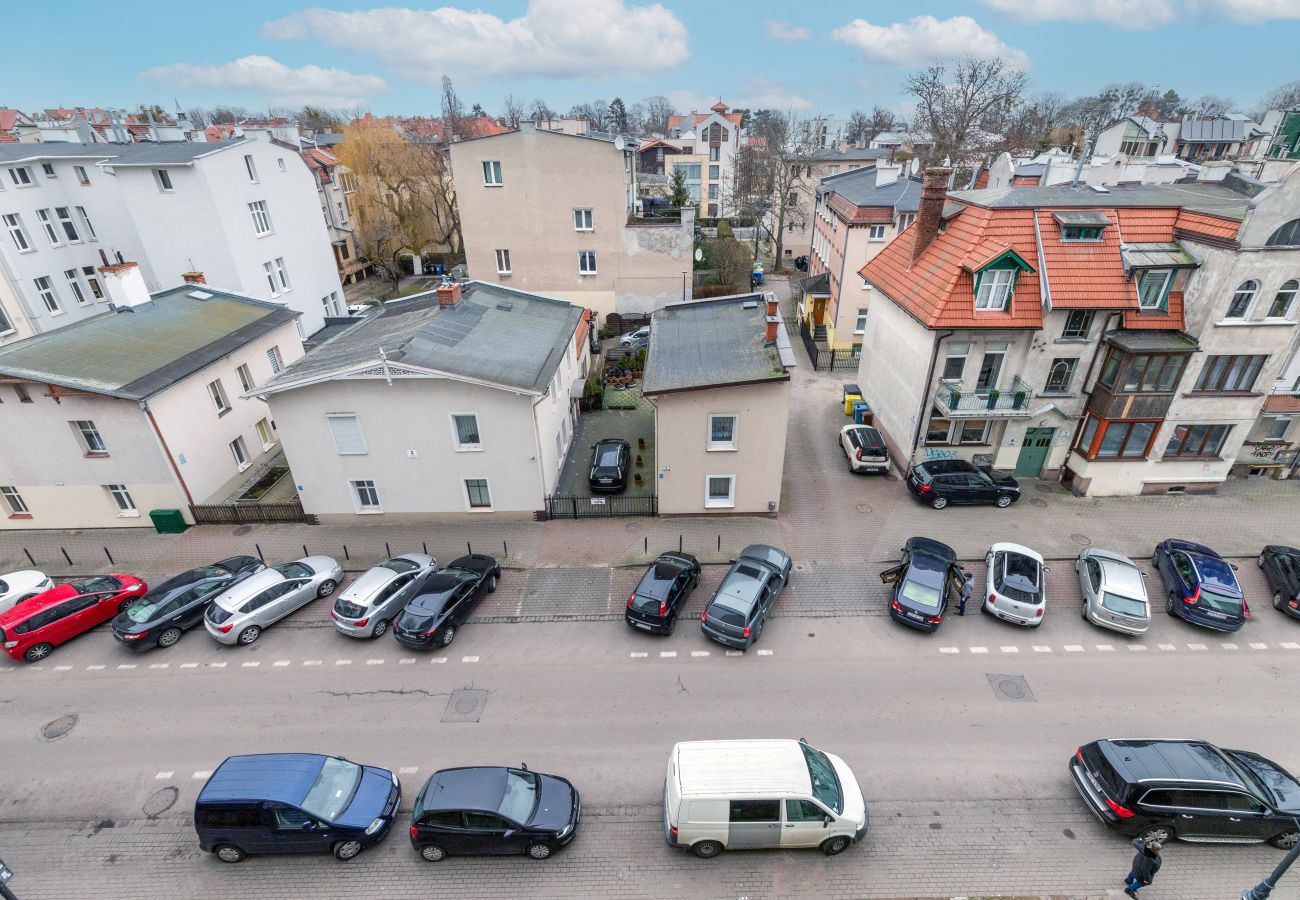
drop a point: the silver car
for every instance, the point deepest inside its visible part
(239, 615)
(369, 605)
(1114, 594)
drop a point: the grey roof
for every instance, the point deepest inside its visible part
(1153, 128)
(495, 335)
(1030, 169)
(1157, 255)
(1219, 199)
(1144, 341)
(173, 153)
(134, 354)
(328, 139)
(859, 188)
(851, 154)
(1220, 128)
(1083, 217)
(713, 343)
(816, 284)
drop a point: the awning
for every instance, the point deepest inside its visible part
(1086, 217)
(817, 285)
(1172, 255)
(1153, 342)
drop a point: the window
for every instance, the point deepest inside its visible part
(367, 497)
(239, 452)
(713, 194)
(48, 169)
(955, 363)
(1230, 373)
(74, 285)
(85, 223)
(492, 173)
(264, 433)
(81, 174)
(1115, 439)
(5, 326)
(1242, 299)
(281, 274)
(586, 262)
(48, 224)
(1282, 302)
(65, 220)
(245, 378)
(346, 429)
(1278, 427)
(477, 494)
(22, 176)
(1286, 236)
(860, 323)
(503, 262)
(15, 226)
(1071, 233)
(1060, 375)
(973, 431)
(937, 429)
(994, 289)
(990, 370)
(218, 395)
(719, 491)
(46, 293)
(756, 811)
(905, 219)
(261, 220)
(1141, 373)
(1078, 323)
(273, 357)
(465, 431)
(876, 233)
(89, 272)
(14, 499)
(582, 220)
(269, 271)
(714, 156)
(1197, 440)
(252, 169)
(722, 432)
(164, 179)
(791, 200)
(715, 173)
(343, 211)
(122, 497)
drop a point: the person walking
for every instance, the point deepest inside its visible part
(1145, 866)
(967, 585)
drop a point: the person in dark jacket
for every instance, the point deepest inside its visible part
(967, 586)
(1145, 866)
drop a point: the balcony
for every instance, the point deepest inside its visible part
(1006, 402)
(1108, 404)
(656, 216)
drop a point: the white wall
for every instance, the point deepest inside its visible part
(896, 353)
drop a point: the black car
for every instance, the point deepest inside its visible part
(159, 617)
(493, 810)
(444, 601)
(662, 591)
(922, 583)
(1201, 586)
(1281, 567)
(610, 461)
(1162, 789)
(739, 607)
(943, 481)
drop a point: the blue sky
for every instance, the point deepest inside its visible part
(815, 56)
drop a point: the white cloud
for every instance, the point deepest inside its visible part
(784, 31)
(567, 38)
(274, 82)
(1128, 14)
(925, 38)
(1247, 10)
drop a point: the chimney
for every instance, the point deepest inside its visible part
(449, 294)
(194, 278)
(888, 174)
(772, 318)
(934, 188)
(125, 285)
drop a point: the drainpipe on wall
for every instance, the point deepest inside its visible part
(925, 395)
(167, 451)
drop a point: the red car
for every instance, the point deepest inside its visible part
(32, 629)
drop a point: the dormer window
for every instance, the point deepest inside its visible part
(1081, 227)
(995, 268)
(1153, 288)
(1081, 233)
(994, 287)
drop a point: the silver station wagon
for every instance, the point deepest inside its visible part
(369, 605)
(239, 615)
(1114, 593)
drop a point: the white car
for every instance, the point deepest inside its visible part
(373, 601)
(19, 586)
(1016, 585)
(636, 339)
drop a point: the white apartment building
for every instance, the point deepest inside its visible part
(708, 143)
(242, 214)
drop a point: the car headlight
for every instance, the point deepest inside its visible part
(566, 830)
(375, 826)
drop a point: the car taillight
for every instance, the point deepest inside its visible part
(1196, 595)
(415, 832)
(1078, 754)
(673, 830)
(431, 631)
(922, 487)
(225, 629)
(993, 599)
(1245, 608)
(630, 598)
(1295, 604)
(132, 637)
(704, 616)
(363, 622)
(934, 620)
(1039, 613)
(745, 633)
(894, 604)
(1118, 810)
(857, 454)
(663, 608)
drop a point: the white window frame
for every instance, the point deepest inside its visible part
(1252, 297)
(263, 428)
(1161, 294)
(997, 286)
(492, 173)
(81, 174)
(64, 215)
(1274, 421)
(163, 179)
(359, 504)
(121, 497)
(274, 358)
(245, 376)
(49, 296)
(239, 450)
(455, 433)
(719, 503)
(6, 327)
(251, 167)
(282, 274)
(47, 222)
(361, 435)
(26, 180)
(17, 505)
(48, 169)
(217, 392)
(732, 445)
(84, 428)
(905, 219)
(582, 220)
(464, 490)
(585, 257)
(261, 218)
(93, 283)
(860, 322)
(85, 221)
(14, 223)
(74, 283)
(269, 271)
(503, 257)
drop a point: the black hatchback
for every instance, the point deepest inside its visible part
(160, 617)
(941, 482)
(662, 591)
(1281, 567)
(922, 583)
(444, 601)
(610, 461)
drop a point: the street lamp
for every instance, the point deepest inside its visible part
(1262, 890)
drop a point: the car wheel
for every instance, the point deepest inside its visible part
(539, 850)
(938, 502)
(1259, 560)
(1161, 834)
(326, 588)
(1277, 599)
(1286, 840)
(448, 635)
(249, 635)
(706, 849)
(1083, 611)
(672, 625)
(432, 853)
(380, 629)
(1170, 602)
(169, 637)
(121, 607)
(834, 845)
(346, 850)
(492, 583)
(38, 652)
(1003, 501)
(228, 853)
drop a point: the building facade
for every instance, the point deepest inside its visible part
(711, 142)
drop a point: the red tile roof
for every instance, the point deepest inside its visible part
(1085, 275)
(850, 212)
(1282, 403)
(1170, 319)
(8, 118)
(695, 118)
(1210, 226)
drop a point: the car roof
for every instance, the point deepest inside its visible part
(236, 594)
(946, 466)
(278, 777)
(20, 579)
(730, 768)
(41, 601)
(473, 787)
(1216, 572)
(931, 547)
(1189, 546)
(473, 562)
(1168, 760)
(369, 583)
(1119, 574)
(1007, 547)
(765, 553)
(236, 562)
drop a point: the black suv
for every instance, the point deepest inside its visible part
(662, 592)
(943, 481)
(1162, 789)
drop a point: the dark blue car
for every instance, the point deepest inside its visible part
(294, 803)
(1200, 586)
(923, 582)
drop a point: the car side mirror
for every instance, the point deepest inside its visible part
(1143, 574)
(308, 826)
(509, 832)
(1234, 566)
(826, 822)
(1046, 570)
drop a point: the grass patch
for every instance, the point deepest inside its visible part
(620, 398)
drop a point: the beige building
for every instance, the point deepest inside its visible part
(140, 407)
(718, 372)
(818, 164)
(554, 213)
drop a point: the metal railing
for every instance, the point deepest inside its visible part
(1012, 400)
(561, 506)
(656, 216)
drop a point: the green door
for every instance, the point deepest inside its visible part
(1033, 451)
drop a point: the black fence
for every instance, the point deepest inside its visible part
(563, 506)
(242, 513)
(824, 358)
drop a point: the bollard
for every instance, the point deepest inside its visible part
(345, 552)
(67, 557)
(387, 550)
(304, 550)
(719, 543)
(29, 556)
(425, 545)
(645, 546)
(505, 549)
(469, 548)
(679, 543)
(259, 552)
(110, 557)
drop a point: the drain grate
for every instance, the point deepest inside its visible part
(864, 507)
(52, 731)
(1013, 688)
(160, 801)
(465, 705)
(1081, 539)
(1038, 502)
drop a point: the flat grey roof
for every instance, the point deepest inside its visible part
(1083, 217)
(134, 354)
(1219, 128)
(1212, 198)
(1143, 341)
(1156, 255)
(172, 153)
(713, 343)
(859, 188)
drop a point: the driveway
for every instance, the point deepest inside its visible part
(636, 426)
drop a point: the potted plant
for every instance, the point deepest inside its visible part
(954, 398)
(1018, 400)
(639, 463)
(637, 476)
(640, 443)
(993, 398)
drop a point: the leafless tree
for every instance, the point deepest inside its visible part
(453, 112)
(1108, 106)
(1032, 125)
(198, 116)
(857, 129)
(512, 112)
(955, 101)
(1210, 106)
(656, 111)
(1285, 96)
(539, 111)
(318, 119)
(772, 180)
(595, 113)
(881, 120)
(226, 115)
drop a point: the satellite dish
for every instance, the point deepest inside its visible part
(619, 142)
(699, 254)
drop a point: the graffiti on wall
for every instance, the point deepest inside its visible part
(936, 453)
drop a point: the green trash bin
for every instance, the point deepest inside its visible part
(168, 521)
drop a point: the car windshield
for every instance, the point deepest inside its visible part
(919, 594)
(1019, 578)
(218, 614)
(523, 789)
(1224, 603)
(825, 783)
(398, 565)
(1125, 606)
(146, 608)
(4, 586)
(333, 790)
(294, 570)
(92, 585)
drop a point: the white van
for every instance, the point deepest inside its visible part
(732, 795)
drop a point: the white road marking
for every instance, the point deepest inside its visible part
(1257, 646)
(1038, 648)
(127, 666)
(93, 668)
(1009, 649)
(216, 665)
(250, 665)
(465, 659)
(438, 659)
(667, 654)
(978, 649)
(408, 770)
(1289, 645)
(374, 662)
(1196, 647)
(66, 668)
(764, 652)
(1074, 648)
(163, 776)
(160, 665)
(342, 662)
(311, 662)
(201, 774)
(189, 665)
(735, 653)
(281, 663)
(1105, 648)
(406, 660)
(699, 653)
(1166, 647)
(636, 655)
(1137, 648)
(1228, 645)
(949, 649)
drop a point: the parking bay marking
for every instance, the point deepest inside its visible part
(1258, 646)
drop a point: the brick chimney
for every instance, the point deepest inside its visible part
(125, 285)
(449, 294)
(194, 278)
(934, 188)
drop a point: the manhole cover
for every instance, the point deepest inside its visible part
(465, 705)
(160, 801)
(1011, 687)
(1044, 488)
(863, 508)
(242, 530)
(52, 731)
(1081, 539)
(1037, 501)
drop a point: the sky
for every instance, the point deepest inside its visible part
(814, 56)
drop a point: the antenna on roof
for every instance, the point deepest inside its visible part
(1084, 151)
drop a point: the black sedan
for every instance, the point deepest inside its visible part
(610, 461)
(922, 583)
(662, 592)
(1281, 567)
(494, 811)
(159, 617)
(739, 607)
(444, 601)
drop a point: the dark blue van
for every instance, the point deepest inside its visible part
(294, 803)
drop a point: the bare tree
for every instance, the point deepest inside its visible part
(655, 116)
(954, 102)
(1108, 106)
(596, 113)
(512, 110)
(1285, 96)
(226, 115)
(772, 177)
(453, 112)
(1210, 106)
(539, 111)
(198, 116)
(317, 118)
(857, 128)
(1033, 124)
(882, 120)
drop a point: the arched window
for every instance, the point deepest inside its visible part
(1242, 299)
(1282, 302)
(1286, 236)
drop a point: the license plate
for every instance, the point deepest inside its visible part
(641, 625)
(1217, 615)
(912, 615)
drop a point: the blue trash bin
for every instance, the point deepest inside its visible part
(861, 413)
(439, 269)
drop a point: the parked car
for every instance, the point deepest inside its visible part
(922, 583)
(1015, 585)
(864, 448)
(941, 482)
(368, 605)
(739, 607)
(31, 630)
(492, 810)
(160, 617)
(1281, 567)
(444, 600)
(19, 586)
(662, 591)
(294, 803)
(239, 614)
(634, 340)
(1201, 586)
(610, 460)
(757, 794)
(1164, 789)
(1114, 591)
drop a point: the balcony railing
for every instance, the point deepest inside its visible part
(1012, 400)
(656, 216)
